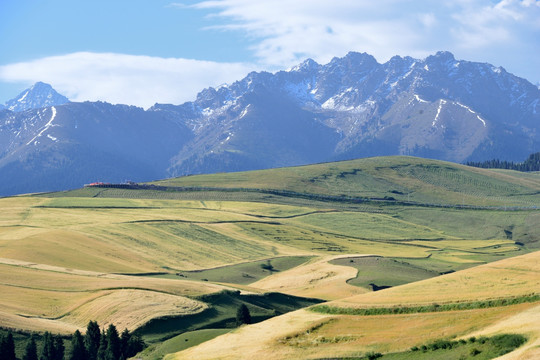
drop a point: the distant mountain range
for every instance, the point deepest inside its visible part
(438, 107)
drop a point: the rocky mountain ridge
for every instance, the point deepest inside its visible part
(38, 96)
(438, 107)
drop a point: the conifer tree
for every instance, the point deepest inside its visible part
(92, 340)
(7, 347)
(59, 348)
(102, 351)
(30, 352)
(135, 345)
(78, 350)
(242, 315)
(48, 350)
(124, 343)
(113, 344)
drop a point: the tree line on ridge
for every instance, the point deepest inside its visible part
(95, 344)
(531, 164)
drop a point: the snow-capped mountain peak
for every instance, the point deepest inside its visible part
(38, 96)
(307, 65)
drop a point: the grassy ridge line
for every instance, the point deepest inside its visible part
(333, 310)
(404, 179)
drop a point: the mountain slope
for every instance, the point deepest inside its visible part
(66, 146)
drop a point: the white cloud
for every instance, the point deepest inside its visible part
(291, 30)
(428, 20)
(125, 79)
(288, 31)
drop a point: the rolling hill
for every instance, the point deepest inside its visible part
(172, 259)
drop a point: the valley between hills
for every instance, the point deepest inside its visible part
(369, 258)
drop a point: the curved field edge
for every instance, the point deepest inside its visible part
(317, 278)
(43, 298)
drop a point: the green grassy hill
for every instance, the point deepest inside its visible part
(399, 177)
(402, 178)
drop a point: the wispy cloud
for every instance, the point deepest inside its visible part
(125, 79)
(178, 5)
(292, 30)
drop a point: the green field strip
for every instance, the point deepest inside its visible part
(180, 342)
(377, 272)
(448, 201)
(443, 307)
(246, 272)
(482, 348)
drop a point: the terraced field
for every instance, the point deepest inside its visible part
(365, 233)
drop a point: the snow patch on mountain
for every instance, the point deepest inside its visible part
(244, 112)
(45, 128)
(472, 112)
(23, 97)
(420, 100)
(207, 111)
(441, 103)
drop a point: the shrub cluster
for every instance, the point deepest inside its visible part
(502, 344)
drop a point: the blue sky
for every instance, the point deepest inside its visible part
(144, 51)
